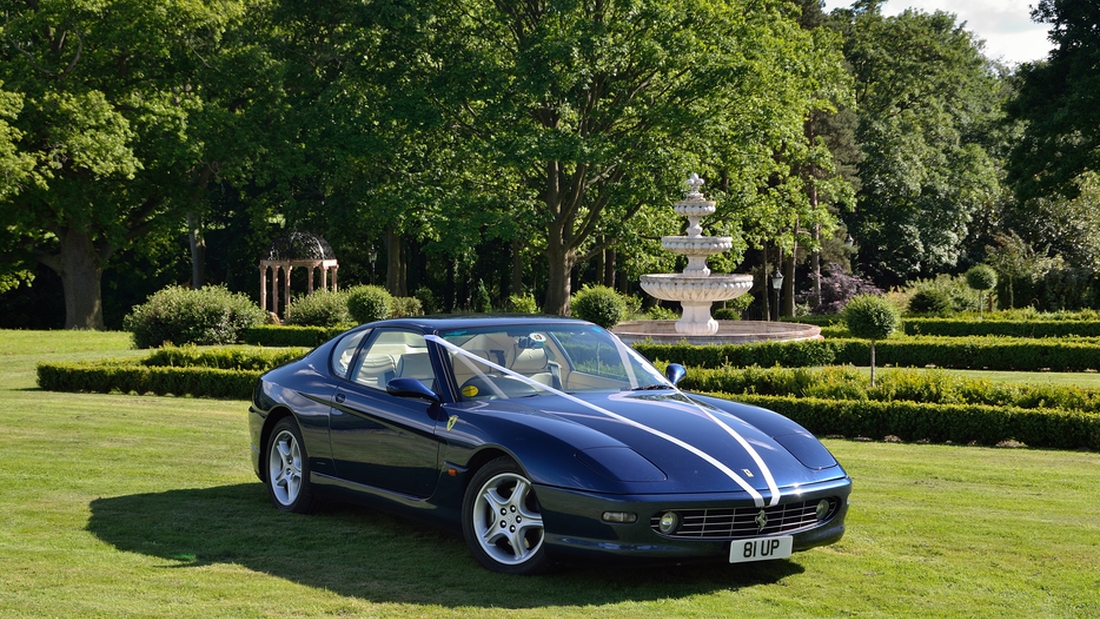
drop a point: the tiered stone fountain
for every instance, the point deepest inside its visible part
(697, 288)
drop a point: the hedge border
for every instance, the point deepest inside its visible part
(988, 353)
(939, 423)
(954, 327)
(130, 377)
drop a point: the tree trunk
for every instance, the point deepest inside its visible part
(872, 363)
(198, 250)
(817, 265)
(609, 268)
(767, 283)
(79, 265)
(788, 283)
(560, 285)
(395, 265)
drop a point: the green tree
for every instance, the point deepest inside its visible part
(871, 317)
(1058, 100)
(926, 98)
(981, 277)
(108, 90)
(586, 114)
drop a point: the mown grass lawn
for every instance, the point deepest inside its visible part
(120, 506)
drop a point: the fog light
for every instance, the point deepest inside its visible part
(668, 522)
(822, 509)
(621, 517)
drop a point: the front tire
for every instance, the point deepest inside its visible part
(288, 469)
(501, 520)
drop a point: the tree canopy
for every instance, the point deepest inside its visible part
(926, 99)
(1058, 101)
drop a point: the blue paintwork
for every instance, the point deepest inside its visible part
(399, 452)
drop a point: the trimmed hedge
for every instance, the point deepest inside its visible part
(928, 387)
(191, 371)
(766, 354)
(990, 353)
(950, 327)
(281, 336)
(127, 377)
(913, 421)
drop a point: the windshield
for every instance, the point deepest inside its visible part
(526, 360)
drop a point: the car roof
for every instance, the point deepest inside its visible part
(432, 324)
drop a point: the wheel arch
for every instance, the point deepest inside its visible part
(483, 457)
(274, 416)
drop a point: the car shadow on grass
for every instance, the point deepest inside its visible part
(366, 554)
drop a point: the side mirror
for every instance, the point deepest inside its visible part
(411, 388)
(675, 373)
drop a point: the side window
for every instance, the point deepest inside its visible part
(343, 352)
(393, 354)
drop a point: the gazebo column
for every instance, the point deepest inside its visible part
(309, 280)
(286, 289)
(263, 286)
(335, 268)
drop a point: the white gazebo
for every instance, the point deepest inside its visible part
(295, 249)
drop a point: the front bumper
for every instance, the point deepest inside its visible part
(575, 529)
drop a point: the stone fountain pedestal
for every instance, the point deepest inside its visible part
(696, 289)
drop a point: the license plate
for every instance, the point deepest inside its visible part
(761, 549)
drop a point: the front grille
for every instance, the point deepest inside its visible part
(740, 522)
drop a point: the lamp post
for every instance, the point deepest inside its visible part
(777, 283)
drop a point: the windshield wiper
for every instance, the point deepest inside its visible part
(650, 387)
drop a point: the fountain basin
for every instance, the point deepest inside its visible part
(696, 245)
(680, 287)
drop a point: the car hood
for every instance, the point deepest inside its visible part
(695, 445)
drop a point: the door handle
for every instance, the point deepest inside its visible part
(340, 398)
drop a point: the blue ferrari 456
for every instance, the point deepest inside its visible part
(542, 440)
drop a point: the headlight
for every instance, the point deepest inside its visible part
(822, 509)
(668, 523)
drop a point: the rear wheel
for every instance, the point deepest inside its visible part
(288, 469)
(501, 520)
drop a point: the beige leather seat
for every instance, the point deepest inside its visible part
(534, 363)
(416, 365)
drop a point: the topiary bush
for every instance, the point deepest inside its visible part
(871, 317)
(323, 308)
(178, 315)
(981, 277)
(600, 305)
(369, 303)
(931, 302)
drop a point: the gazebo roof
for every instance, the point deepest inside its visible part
(300, 246)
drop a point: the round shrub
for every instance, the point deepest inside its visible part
(931, 302)
(599, 304)
(406, 306)
(369, 303)
(178, 315)
(523, 304)
(427, 300)
(871, 317)
(323, 308)
(981, 277)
